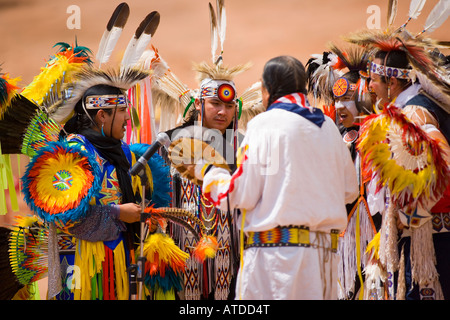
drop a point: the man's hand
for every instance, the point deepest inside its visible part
(129, 212)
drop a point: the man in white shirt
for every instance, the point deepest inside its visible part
(294, 177)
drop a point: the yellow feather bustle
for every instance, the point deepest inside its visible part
(49, 75)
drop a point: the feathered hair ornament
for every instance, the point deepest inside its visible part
(89, 77)
(322, 72)
(417, 48)
(175, 99)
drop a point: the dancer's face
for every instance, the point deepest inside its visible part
(217, 114)
(114, 124)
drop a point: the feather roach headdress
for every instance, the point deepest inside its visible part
(329, 73)
(124, 77)
(172, 95)
(417, 48)
(322, 71)
(89, 77)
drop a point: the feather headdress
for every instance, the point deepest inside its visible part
(417, 48)
(89, 77)
(175, 99)
(322, 71)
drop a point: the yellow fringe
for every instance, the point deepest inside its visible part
(242, 252)
(88, 257)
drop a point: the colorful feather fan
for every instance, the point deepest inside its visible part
(404, 158)
(28, 249)
(59, 183)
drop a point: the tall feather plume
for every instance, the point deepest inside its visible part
(415, 9)
(392, 12)
(140, 40)
(214, 32)
(437, 16)
(221, 22)
(112, 33)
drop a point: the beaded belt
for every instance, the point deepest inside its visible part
(290, 236)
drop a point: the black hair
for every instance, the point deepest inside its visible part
(85, 119)
(396, 59)
(284, 75)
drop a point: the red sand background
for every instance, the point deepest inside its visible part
(257, 30)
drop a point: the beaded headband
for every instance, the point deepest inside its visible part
(224, 90)
(105, 102)
(389, 71)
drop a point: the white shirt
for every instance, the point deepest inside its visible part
(295, 174)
